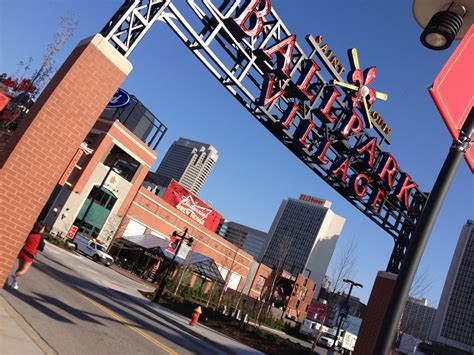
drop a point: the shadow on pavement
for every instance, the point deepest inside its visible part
(106, 297)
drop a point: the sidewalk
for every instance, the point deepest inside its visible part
(16, 335)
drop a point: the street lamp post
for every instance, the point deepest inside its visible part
(162, 286)
(342, 316)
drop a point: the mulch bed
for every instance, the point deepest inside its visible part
(247, 334)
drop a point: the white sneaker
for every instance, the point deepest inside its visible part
(11, 282)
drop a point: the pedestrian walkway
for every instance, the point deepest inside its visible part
(16, 335)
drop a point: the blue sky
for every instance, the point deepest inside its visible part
(255, 172)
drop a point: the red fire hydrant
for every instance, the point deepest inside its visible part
(195, 316)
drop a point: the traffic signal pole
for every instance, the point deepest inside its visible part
(420, 237)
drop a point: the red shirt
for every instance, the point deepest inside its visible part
(32, 242)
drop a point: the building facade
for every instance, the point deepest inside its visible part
(303, 236)
(98, 186)
(151, 215)
(453, 324)
(417, 318)
(249, 239)
(188, 162)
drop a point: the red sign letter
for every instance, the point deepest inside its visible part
(301, 128)
(356, 188)
(252, 9)
(304, 81)
(386, 169)
(368, 149)
(289, 115)
(355, 125)
(267, 95)
(321, 151)
(340, 167)
(285, 49)
(376, 198)
(402, 190)
(326, 110)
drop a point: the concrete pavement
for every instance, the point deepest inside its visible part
(17, 336)
(78, 306)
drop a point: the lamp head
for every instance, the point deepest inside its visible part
(443, 21)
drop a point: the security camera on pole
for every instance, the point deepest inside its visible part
(181, 237)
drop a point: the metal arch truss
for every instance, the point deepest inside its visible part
(130, 23)
(215, 40)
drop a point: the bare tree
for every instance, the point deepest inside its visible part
(28, 87)
(421, 285)
(67, 26)
(343, 267)
(278, 266)
(229, 265)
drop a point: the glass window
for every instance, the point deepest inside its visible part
(124, 165)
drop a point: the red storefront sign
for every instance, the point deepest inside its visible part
(4, 99)
(83, 149)
(70, 167)
(453, 90)
(317, 311)
(72, 232)
(189, 204)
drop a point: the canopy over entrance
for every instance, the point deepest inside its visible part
(198, 263)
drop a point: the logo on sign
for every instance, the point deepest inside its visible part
(121, 98)
(193, 210)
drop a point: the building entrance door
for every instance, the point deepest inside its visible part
(91, 218)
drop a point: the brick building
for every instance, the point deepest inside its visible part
(58, 122)
(104, 175)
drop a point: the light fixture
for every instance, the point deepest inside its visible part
(443, 21)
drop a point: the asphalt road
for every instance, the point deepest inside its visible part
(81, 307)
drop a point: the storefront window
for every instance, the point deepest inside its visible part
(124, 165)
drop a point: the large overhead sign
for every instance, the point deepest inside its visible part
(302, 99)
(189, 204)
(454, 101)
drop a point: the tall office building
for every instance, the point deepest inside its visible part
(303, 236)
(453, 324)
(249, 239)
(417, 318)
(188, 162)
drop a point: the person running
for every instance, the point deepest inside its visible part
(33, 242)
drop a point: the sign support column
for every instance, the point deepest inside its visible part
(420, 237)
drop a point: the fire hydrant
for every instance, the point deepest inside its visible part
(195, 316)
